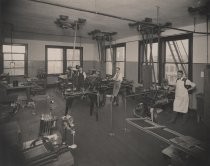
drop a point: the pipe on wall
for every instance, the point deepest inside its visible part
(112, 16)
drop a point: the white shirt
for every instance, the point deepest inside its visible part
(84, 74)
(118, 77)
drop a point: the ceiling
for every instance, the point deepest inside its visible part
(35, 19)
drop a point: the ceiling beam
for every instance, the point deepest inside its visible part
(113, 16)
(84, 10)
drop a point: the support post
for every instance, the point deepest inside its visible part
(111, 133)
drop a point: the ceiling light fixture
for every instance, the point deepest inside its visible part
(65, 23)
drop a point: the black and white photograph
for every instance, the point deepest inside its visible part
(104, 82)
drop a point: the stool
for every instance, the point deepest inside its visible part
(31, 104)
(22, 101)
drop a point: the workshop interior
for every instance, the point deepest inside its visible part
(104, 83)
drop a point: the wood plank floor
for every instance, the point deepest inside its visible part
(95, 146)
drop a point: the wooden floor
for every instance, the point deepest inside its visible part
(95, 146)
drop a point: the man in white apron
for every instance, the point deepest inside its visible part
(181, 102)
(117, 83)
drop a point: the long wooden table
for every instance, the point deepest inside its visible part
(9, 88)
(94, 100)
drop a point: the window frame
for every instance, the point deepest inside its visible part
(110, 61)
(121, 61)
(25, 68)
(114, 47)
(189, 37)
(141, 60)
(64, 57)
(162, 55)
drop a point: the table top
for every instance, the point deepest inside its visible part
(63, 77)
(189, 145)
(21, 85)
(54, 138)
(78, 93)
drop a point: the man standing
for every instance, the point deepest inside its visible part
(117, 83)
(181, 102)
(81, 79)
(69, 73)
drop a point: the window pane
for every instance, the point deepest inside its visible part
(55, 67)
(8, 64)
(18, 56)
(14, 56)
(73, 54)
(155, 70)
(14, 49)
(121, 66)
(154, 52)
(13, 64)
(7, 48)
(156, 73)
(180, 46)
(14, 71)
(19, 64)
(55, 54)
(8, 57)
(73, 63)
(109, 68)
(108, 54)
(19, 71)
(120, 54)
(14, 59)
(171, 72)
(9, 71)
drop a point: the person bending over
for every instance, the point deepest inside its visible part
(81, 79)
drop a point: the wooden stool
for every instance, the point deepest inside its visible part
(22, 101)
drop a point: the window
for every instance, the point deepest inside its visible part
(118, 59)
(170, 54)
(55, 60)
(148, 60)
(14, 59)
(58, 58)
(73, 57)
(154, 59)
(176, 58)
(109, 60)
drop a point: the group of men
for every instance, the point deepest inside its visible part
(76, 77)
(182, 87)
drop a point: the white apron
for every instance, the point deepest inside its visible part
(116, 88)
(181, 101)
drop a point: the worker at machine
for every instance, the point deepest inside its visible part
(78, 80)
(94, 87)
(70, 73)
(117, 84)
(181, 101)
(72, 78)
(93, 80)
(81, 76)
